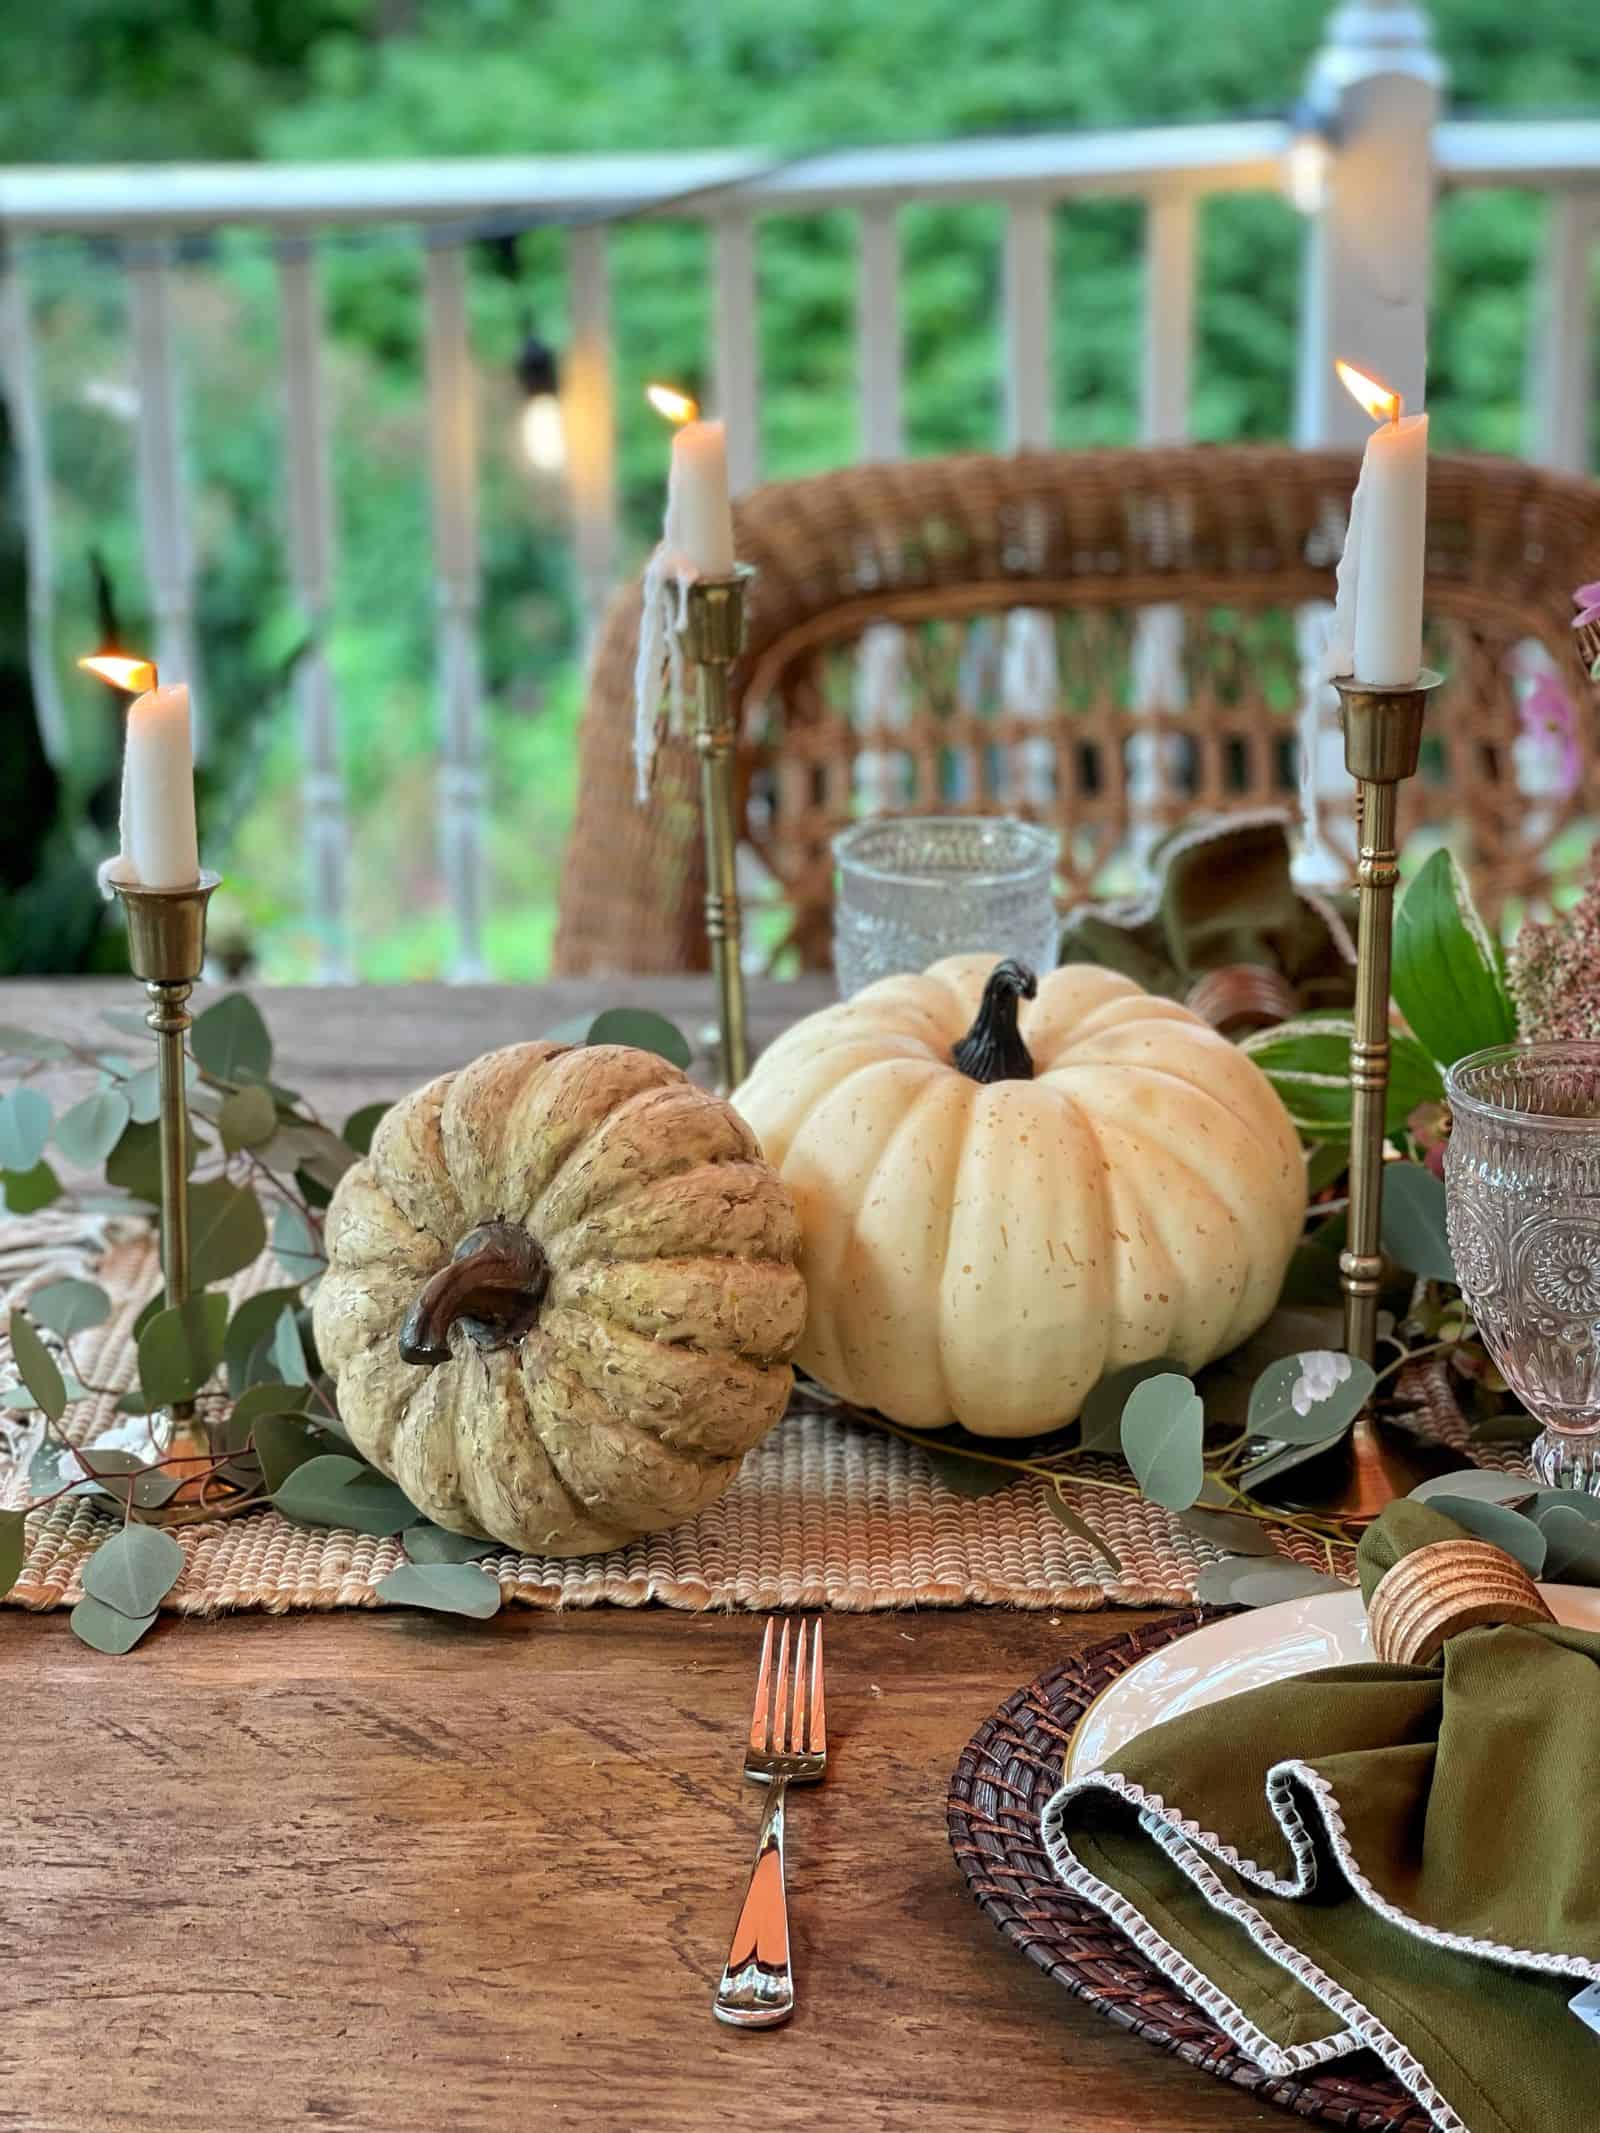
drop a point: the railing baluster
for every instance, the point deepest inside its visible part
(1029, 679)
(1561, 347)
(878, 351)
(589, 419)
(163, 502)
(737, 351)
(1027, 277)
(311, 563)
(453, 447)
(20, 384)
(1157, 678)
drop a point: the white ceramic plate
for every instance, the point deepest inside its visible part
(1247, 1652)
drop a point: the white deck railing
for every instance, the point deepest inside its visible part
(1384, 155)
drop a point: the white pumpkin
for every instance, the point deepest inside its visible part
(1096, 1180)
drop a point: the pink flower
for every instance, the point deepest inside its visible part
(1554, 760)
(1587, 615)
(1587, 595)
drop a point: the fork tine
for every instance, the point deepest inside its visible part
(797, 1710)
(778, 1739)
(761, 1717)
(816, 1740)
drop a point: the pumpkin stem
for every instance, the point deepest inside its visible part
(993, 1050)
(495, 1281)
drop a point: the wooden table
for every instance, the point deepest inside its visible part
(380, 1873)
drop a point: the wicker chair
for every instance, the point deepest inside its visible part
(1160, 592)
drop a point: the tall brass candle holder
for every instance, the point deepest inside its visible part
(1382, 743)
(713, 638)
(167, 947)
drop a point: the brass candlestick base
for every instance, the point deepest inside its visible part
(167, 947)
(713, 637)
(1382, 742)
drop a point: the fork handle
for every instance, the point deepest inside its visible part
(757, 1988)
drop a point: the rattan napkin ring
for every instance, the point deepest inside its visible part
(1433, 1592)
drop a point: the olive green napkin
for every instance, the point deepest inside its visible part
(1401, 1857)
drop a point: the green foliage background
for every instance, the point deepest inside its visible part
(160, 80)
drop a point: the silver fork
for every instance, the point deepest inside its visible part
(788, 1746)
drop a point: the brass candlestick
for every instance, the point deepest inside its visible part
(713, 637)
(167, 947)
(1382, 742)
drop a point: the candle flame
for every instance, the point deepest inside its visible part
(676, 406)
(1381, 404)
(133, 675)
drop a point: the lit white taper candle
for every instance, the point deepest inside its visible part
(160, 849)
(699, 529)
(1376, 632)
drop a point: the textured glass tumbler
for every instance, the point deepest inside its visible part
(1522, 1182)
(910, 891)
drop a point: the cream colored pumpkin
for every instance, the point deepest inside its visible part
(985, 1253)
(599, 1271)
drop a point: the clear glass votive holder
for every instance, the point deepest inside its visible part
(1522, 1205)
(912, 889)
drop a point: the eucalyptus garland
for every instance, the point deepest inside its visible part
(265, 1170)
(1212, 1449)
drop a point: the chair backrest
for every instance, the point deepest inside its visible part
(1109, 641)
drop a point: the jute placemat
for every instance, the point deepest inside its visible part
(825, 1513)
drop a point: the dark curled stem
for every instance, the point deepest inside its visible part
(495, 1282)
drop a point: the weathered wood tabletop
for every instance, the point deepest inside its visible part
(378, 1873)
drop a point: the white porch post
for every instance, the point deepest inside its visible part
(1375, 87)
(1561, 351)
(589, 414)
(163, 506)
(311, 562)
(20, 385)
(453, 468)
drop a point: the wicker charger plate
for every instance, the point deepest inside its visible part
(1006, 1774)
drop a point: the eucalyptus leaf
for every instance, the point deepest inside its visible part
(1481, 1483)
(24, 1128)
(1446, 978)
(645, 1030)
(250, 1332)
(1512, 1427)
(1228, 1531)
(1572, 1547)
(227, 1230)
(1163, 1439)
(134, 1165)
(1413, 1221)
(1273, 1412)
(964, 1476)
(332, 1490)
(27, 1044)
(1100, 1419)
(69, 1307)
(287, 1353)
(284, 1442)
(134, 1570)
(88, 1132)
(230, 1040)
(36, 1367)
(361, 1125)
(324, 1158)
(1249, 1583)
(264, 1399)
(13, 1547)
(1064, 1515)
(248, 1117)
(56, 1468)
(1578, 1500)
(427, 1543)
(26, 1191)
(446, 1588)
(1498, 1524)
(103, 1629)
(298, 1250)
(181, 1347)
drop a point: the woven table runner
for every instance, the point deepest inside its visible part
(825, 1513)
